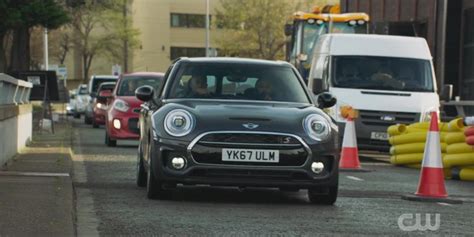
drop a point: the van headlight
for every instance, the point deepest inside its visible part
(335, 113)
(317, 127)
(179, 123)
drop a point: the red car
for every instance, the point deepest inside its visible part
(124, 108)
(100, 103)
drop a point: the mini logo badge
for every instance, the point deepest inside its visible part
(387, 118)
(250, 125)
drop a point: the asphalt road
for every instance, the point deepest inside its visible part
(109, 203)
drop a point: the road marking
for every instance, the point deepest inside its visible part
(354, 178)
(37, 174)
(444, 204)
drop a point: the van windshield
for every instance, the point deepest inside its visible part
(382, 73)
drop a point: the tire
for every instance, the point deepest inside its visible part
(324, 195)
(77, 115)
(154, 186)
(108, 141)
(87, 120)
(141, 173)
(94, 124)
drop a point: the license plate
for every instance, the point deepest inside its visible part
(379, 136)
(250, 155)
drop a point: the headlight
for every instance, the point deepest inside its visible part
(121, 105)
(335, 113)
(317, 127)
(101, 106)
(179, 123)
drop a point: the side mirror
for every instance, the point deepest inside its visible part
(103, 96)
(326, 100)
(288, 29)
(447, 92)
(144, 93)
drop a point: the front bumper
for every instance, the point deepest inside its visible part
(99, 116)
(250, 175)
(128, 127)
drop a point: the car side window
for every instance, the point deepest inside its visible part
(160, 87)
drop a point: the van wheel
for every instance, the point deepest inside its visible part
(109, 141)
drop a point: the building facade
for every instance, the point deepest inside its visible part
(170, 29)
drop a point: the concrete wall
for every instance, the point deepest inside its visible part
(16, 119)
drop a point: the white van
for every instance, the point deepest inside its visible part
(388, 79)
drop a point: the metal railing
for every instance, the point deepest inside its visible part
(460, 106)
(14, 91)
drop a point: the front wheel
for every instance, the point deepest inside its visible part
(323, 195)
(154, 187)
(109, 141)
(141, 173)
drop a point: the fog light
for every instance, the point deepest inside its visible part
(178, 163)
(317, 167)
(117, 124)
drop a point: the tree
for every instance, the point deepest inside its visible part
(46, 13)
(10, 18)
(100, 28)
(254, 28)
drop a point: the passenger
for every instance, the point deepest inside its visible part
(198, 87)
(264, 89)
(386, 77)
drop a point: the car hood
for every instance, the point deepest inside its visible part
(232, 115)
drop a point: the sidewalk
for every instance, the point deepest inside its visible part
(36, 193)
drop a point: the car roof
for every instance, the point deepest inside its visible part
(234, 60)
(104, 76)
(144, 74)
(374, 45)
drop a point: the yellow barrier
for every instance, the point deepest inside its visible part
(412, 148)
(396, 129)
(456, 125)
(466, 174)
(416, 137)
(455, 137)
(413, 166)
(463, 159)
(426, 125)
(404, 159)
(458, 148)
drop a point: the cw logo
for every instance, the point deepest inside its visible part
(410, 222)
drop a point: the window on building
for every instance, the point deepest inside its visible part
(177, 52)
(188, 20)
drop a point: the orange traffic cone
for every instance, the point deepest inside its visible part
(431, 185)
(350, 153)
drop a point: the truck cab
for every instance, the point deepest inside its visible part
(388, 79)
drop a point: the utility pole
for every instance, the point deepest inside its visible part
(125, 40)
(207, 28)
(46, 53)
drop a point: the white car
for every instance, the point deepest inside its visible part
(81, 101)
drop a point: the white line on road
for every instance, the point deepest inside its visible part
(354, 178)
(444, 204)
(38, 174)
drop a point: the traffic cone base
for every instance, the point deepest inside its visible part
(414, 197)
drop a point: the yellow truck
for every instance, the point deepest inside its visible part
(306, 27)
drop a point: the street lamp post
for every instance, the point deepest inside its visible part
(46, 53)
(207, 28)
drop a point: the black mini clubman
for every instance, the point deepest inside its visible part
(236, 122)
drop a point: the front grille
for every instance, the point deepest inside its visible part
(374, 144)
(137, 110)
(208, 150)
(249, 138)
(386, 118)
(133, 125)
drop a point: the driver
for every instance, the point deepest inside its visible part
(131, 86)
(198, 87)
(264, 89)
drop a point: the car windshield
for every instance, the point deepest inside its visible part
(83, 91)
(98, 81)
(129, 84)
(238, 81)
(382, 73)
(106, 87)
